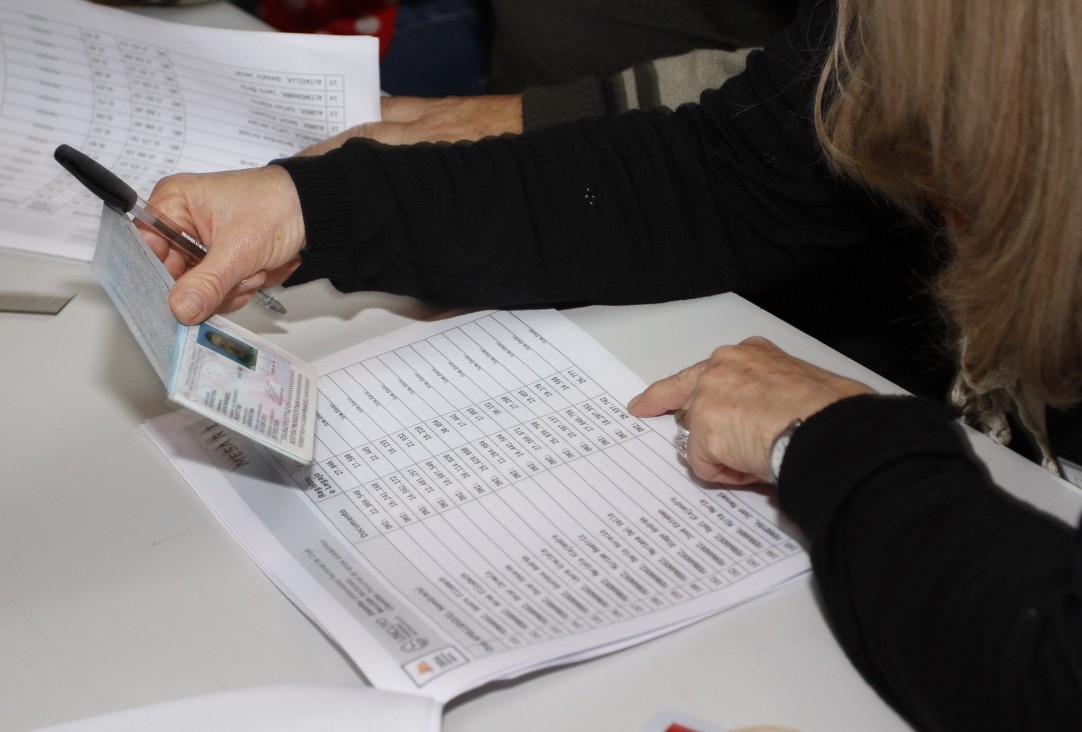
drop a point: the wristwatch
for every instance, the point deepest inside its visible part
(778, 447)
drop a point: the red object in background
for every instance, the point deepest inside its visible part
(338, 17)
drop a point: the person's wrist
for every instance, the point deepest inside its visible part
(512, 113)
(778, 448)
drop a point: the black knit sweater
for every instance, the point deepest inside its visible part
(572, 59)
(960, 605)
(639, 207)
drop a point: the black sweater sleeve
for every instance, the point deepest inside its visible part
(730, 193)
(959, 604)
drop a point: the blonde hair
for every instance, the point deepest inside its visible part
(972, 110)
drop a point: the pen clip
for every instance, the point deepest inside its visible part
(117, 194)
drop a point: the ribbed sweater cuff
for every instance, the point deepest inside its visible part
(324, 195)
(839, 448)
(544, 106)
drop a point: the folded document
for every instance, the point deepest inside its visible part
(216, 368)
(481, 505)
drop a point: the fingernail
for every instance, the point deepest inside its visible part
(634, 401)
(191, 305)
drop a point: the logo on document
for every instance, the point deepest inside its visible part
(424, 669)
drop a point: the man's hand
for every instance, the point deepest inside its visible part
(251, 223)
(407, 120)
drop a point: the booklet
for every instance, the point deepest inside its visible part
(216, 368)
(481, 505)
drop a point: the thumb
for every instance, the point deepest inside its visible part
(201, 290)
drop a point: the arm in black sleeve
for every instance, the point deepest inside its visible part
(638, 207)
(669, 81)
(571, 59)
(959, 604)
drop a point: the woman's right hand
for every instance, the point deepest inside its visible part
(738, 401)
(251, 223)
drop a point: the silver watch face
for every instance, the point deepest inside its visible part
(777, 450)
(777, 455)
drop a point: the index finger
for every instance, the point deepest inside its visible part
(668, 393)
(175, 263)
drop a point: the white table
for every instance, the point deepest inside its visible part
(118, 588)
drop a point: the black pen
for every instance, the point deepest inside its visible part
(122, 198)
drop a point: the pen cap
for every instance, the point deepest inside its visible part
(117, 194)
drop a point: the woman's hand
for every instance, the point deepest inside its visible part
(738, 401)
(251, 223)
(406, 120)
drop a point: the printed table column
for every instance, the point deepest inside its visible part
(156, 135)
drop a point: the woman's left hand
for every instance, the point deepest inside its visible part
(738, 401)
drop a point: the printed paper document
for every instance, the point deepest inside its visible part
(481, 505)
(146, 98)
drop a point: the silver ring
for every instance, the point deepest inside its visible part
(682, 433)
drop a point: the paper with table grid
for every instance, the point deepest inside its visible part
(148, 97)
(482, 505)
